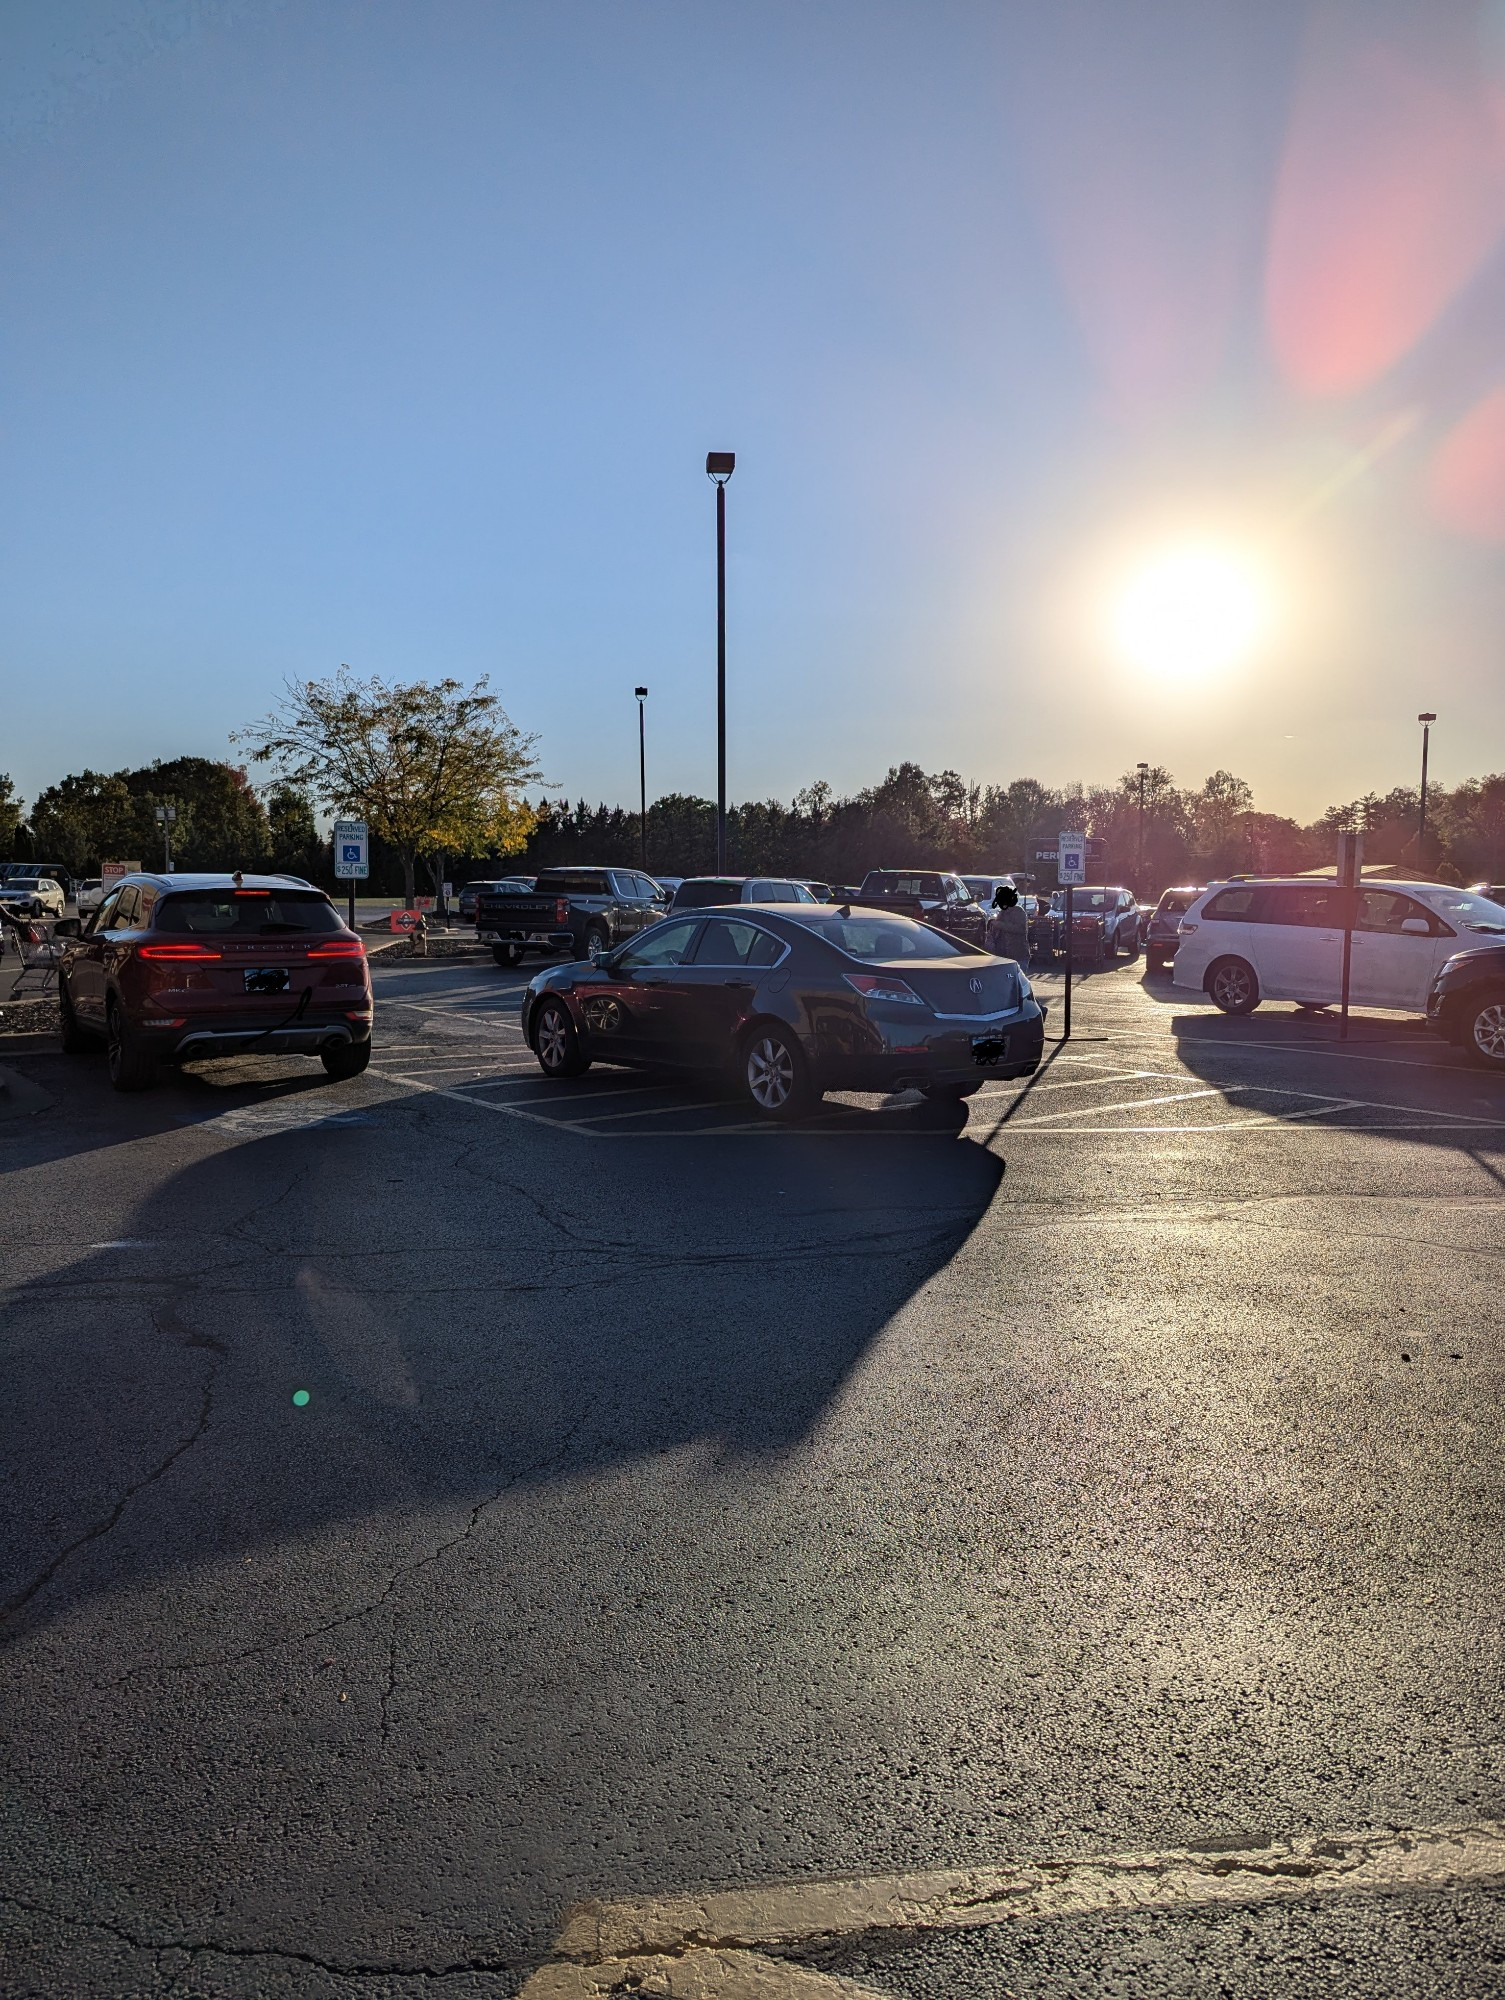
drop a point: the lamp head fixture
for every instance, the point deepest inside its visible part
(640, 692)
(1426, 718)
(720, 465)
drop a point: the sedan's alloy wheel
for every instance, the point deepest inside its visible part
(770, 1073)
(1489, 1031)
(553, 1038)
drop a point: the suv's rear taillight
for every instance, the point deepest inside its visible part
(338, 947)
(178, 954)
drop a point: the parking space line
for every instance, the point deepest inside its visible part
(482, 1103)
(1134, 1104)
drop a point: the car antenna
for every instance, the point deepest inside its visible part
(238, 879)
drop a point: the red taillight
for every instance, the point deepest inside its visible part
(339, 947)
(179, 954)
(562, 911)
(883, 986)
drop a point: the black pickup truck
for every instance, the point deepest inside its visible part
(943, 901)
(580, 911)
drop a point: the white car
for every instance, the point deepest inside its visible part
(33, 895)
(1246, 941)
(89, 895)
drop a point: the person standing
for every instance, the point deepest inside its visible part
(1007, 934)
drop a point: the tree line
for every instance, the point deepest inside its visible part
(440, 775)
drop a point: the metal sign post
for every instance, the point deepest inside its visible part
(1071, 868)
(1350, 873)
(352, 855)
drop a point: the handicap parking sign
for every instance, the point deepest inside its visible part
(352, 850)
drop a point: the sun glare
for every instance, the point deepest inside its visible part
(1190, 612)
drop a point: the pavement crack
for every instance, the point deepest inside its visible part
(538, 1468)
(98, 1529)
(224, 1948)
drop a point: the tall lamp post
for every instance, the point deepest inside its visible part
(1144, 772)
(720, 466)
(1426, 720)
(642, 695)
(167, 819)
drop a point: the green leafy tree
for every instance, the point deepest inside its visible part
(434, 768)
(11, 814)
(297, 848)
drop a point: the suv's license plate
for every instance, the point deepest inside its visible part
(266, 978)
(990, 1048)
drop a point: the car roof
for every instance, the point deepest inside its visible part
(221, 879)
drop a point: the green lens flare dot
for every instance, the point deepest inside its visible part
(300, 1397)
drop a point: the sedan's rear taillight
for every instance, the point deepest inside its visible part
(178, 954)
(883, 986)
(338, 947)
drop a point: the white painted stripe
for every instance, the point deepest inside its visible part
(481, 1103)
(1364, 1862)
(1134, 1104)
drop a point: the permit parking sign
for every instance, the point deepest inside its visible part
(352, 850)
(1071, 859)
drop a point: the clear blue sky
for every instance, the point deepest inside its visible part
(396, 333)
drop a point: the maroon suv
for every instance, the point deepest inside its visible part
(172, 968)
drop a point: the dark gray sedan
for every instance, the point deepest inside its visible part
(788, 1001)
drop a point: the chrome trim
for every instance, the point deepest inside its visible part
(1003, 1014)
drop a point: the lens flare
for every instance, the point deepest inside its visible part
(1190, 612)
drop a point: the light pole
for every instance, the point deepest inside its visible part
(1144, 772)
(167, 819)
(642, 695)
(720, 466)
(1426, 720)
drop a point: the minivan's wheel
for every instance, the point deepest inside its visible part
(131, 1066)
(1231, 985)
(507, 955)
(597, 944)
(76, 1040)
(1484, 1029)
(555, 1041)
(345, 1060)
(775, 1075)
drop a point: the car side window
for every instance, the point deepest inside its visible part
(662, 944)
(725, 941)
(148, 903)
(1317, 908)
(1388, 910)
(123, 916)
(100, 921)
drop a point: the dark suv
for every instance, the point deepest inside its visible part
(1162, 932)
(172, 968)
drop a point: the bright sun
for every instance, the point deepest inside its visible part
(1190, 612)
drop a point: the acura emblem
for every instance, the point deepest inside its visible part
(974, 985)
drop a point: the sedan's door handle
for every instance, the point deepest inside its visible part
(739, 985)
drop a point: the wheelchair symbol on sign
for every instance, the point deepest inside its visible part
(349, 853)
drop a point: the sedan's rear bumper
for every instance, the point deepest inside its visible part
(943, 1056)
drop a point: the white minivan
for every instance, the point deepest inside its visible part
(1246, 941)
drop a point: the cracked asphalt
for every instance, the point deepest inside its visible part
(678, 1506)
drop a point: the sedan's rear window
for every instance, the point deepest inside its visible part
(247, 912)
(878, 940)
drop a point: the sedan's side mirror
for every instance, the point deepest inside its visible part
(68, 927)
(1416, 927)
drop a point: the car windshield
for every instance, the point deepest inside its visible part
(879, 940)
(247, 912)
(1463, 907)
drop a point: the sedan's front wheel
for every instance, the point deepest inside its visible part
(775, 1074)
(1484, 1030)
(555, 1042)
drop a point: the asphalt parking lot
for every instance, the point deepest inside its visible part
(674, 1505)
